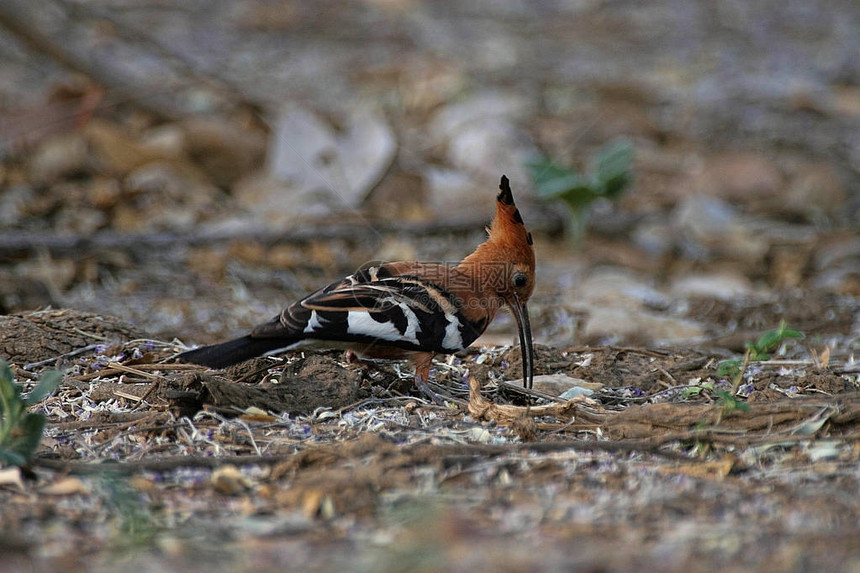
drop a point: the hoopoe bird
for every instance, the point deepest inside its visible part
(407, 309)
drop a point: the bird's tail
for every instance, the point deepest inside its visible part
(232, 352)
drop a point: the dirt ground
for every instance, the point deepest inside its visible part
(149, 202)
(321, 464)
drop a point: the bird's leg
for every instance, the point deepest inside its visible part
(422, 362)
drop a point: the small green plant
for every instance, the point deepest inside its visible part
(609, 175)
(20, 430)
(758, 350)
(730, 402)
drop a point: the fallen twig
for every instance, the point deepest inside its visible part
(75, 352)
(156, 465)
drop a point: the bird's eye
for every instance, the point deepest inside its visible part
(520, 280)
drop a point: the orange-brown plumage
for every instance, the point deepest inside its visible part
(409, 309)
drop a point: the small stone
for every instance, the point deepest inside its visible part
(157, 179)
(654, 237)
(616, 287)
(11, 476)
(837, 252)
(720, 285)
(167, 140)
(711, 227)
(617, 324)
(58, 156)
(103, 192)
(558, 384)
(462, 115)
(815, 192)
(737, 177)
(450, 192)
(843, 279)
(490, 147)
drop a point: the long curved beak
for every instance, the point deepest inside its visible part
(527, 348)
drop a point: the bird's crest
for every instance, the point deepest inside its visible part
(507, 229)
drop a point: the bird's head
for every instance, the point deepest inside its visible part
(506, 262)
(511, 243)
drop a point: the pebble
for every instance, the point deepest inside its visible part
(723, 285)
(559, 384)
(58, 156)
(609, 325)
(816, 192)
(618, 288)
(709, 227)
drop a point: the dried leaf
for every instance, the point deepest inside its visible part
(65, 486)
(822, 359)
(312, 502)
(230, 481)
(11, 476)
(706, 470)
(254, 414)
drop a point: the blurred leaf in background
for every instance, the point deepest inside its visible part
(609, 174)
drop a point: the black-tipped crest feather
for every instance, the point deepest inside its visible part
(505, 195)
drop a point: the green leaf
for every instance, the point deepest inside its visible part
(729, 368)
(579, 196)
(21, 432)
(11, 406)
(47, 384)
(24, 439)
(770, 341)
(6, 372)
(10, 458)
(730, 402)
(610, 173)
(692, 391)
(612, 168)
(8, 390)
(551, 180)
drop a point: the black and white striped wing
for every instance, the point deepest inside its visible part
(403, 311)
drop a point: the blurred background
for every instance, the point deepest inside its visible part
(192, 166)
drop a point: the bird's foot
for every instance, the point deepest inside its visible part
(425, 389)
